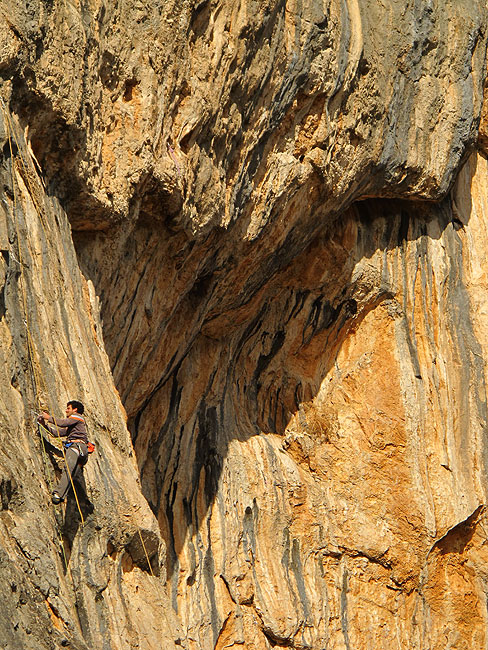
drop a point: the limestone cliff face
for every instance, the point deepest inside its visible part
(263, 226)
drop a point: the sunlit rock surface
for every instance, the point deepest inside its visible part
(278, 213)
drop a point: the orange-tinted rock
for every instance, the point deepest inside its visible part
(291, 293)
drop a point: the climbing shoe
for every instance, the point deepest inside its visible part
(56, 498)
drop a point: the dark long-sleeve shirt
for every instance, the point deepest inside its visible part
(73, 428)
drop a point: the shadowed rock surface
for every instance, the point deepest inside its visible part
(251, 238)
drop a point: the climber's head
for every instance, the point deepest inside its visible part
(74, 407)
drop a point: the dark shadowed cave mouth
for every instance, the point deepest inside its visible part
(215, 357)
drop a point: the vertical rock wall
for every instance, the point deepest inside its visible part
(292, 298)
(75, 575)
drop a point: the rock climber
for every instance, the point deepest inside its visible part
(76, 454)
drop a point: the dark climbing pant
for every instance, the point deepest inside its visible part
(75, 456)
